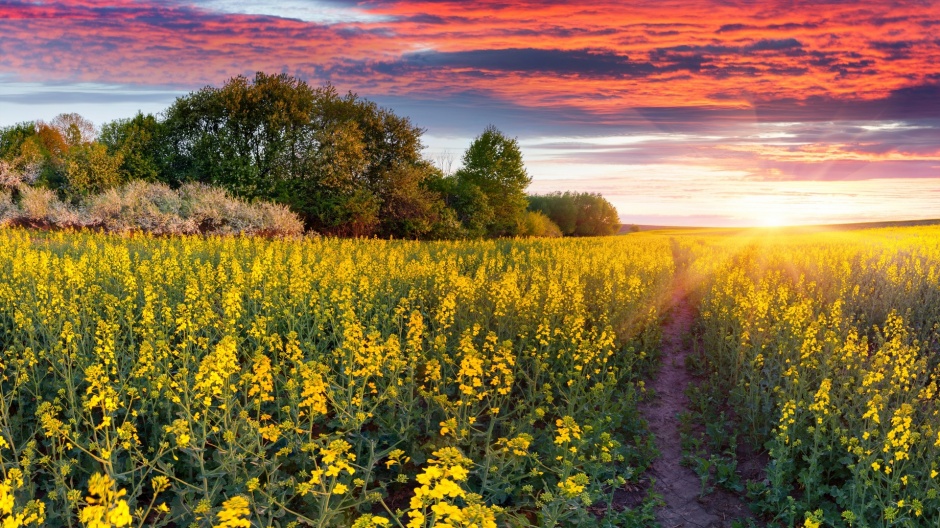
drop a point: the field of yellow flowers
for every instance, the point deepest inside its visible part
(828, 348)
(243, 382)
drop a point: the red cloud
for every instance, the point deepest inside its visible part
(672, 53)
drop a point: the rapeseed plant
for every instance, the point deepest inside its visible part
(243, 381)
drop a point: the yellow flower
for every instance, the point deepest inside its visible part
(568, 429)
(215, 369)
(160, 483)
(518, 446)
(260, 380)
(233, 512)
(396, 458)
(813, 519)
(371, 521)
(105, 508)
(314, 390)
(573, 486)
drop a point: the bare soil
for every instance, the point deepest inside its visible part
(679, 485)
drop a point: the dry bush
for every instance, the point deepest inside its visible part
(9, 212)
(150, 207)
(215, 211)
(38, 205)
(277, 219)
(194, 208)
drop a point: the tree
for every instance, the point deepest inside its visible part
(138, 141)
(358, 145)
(493, 166)
(597, 216)
(409, 208)
(344, 164)
(20, 153)
(63, 155)
(12, 138)
(561, 208)
(37, 151)
(244, 136)
(578, 214)
(75, 129)
(90, 169)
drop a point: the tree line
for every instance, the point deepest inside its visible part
(345, 165)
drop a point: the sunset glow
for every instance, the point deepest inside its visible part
(681, 112)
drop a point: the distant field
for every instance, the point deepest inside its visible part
(625, 228)
(204, 380)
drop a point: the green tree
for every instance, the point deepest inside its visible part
(578, 214)
(596, 216)
(12, 138)
(410, 209)
(138, 141)
(493, 166)
(561, 208)
(361, 147)
(244, 136)
(90, 169)
(347, 166)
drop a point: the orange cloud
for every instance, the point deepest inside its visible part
(669, 53)
(699, 67)
(822, 153)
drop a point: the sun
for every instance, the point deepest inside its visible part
(773, 220)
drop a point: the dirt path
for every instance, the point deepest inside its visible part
(679, 485)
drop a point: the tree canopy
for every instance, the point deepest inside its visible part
(489, 190)
(578, 214)
(345, 165)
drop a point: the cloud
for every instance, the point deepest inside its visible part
(769, 93)
(526, 60)
(910, 102)
(32, 94)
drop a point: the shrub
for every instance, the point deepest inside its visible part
(536, 224)
(150, 207)
(39, 205)
(194, 208)
(9, 176)
(277, 219)
(578, 214)
(9, 212)
(214, 210)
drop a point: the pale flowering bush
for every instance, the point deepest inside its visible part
(9, 176)
(42, 206)
(193, 208)
(278, 219)
(151, 208)
(8, 210)
(12, 177)
(214, 210)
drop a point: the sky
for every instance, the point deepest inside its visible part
(720, 113)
